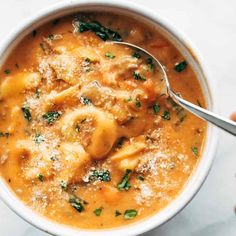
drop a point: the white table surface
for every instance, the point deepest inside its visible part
(211, 24)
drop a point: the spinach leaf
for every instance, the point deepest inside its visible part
(51, 116)
(7, 71)
(109, 55)
(39, 138)
(140, 177)
(117, 213)
(136, 55)
(27, 114)
(137, 76)
(156, 108)
(166, 115)
(101, 31)
(40, 177)
(124, 184)
(98, 211)
(150, 63)
(130, 214)
(2, 134)
(37, 93)
(101, 175)
(64, 185)
(195, 151)
(179, 67)
(138, 103)
(86, 101)
(77, 203)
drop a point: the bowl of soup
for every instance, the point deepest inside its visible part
(90, 142)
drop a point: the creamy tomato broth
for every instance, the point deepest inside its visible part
(88, 137)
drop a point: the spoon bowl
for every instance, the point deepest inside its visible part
(215, 119)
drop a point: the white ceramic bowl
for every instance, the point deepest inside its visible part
(193, 57)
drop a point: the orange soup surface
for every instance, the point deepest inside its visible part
(88, 136)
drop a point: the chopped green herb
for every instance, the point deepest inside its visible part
(147, 137)
(51, 37)
(64, 185)
(88, 60)
(54, 158)
(77, 203)
(27, 114)
(77, 128)
(117, 213)
(87, 69)
(40, 177)
(7, 71)
(98, 211)
(128, 99)
(109, 55)
(37, 93)
(101, 31)
(138, 103)
(179, 67)
(136, 55)
(42, 46)
(82, 121)
(137, 76)
(150, 63)
(130, 214)
(51, 116)
(124, 184)
(101, 175)
(34, 33)
(38, 138)
(166, 115)
(140, 177)
(85, 100)
(2, 134)
(120, 141)
(195, 151)
(156, 108)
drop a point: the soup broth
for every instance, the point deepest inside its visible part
(88, 136)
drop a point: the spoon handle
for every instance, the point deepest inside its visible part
(213, 118)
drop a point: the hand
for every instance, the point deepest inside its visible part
(233, 116)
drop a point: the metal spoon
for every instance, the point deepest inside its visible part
(204, 114)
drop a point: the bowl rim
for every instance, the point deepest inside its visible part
(198, 177)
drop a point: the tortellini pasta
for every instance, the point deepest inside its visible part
(103, 136)
(60, 67)
(128, 156)
(73, 160)
(19, 83)
(35, 163)
(66, 96)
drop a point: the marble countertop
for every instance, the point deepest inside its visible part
(212, 27)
